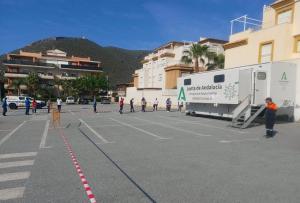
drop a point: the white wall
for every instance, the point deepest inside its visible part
(297, 104)
(150, 96)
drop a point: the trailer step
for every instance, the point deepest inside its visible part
(242, 121)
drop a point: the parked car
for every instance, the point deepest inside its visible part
(15, 102)
(83, 101)
(105, 100)
(70, 100)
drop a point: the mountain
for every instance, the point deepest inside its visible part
(119, 63)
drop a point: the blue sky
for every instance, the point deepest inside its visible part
(131, 24)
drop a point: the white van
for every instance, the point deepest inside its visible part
(15, 102)
(70, 100)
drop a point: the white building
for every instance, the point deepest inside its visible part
(161, 68)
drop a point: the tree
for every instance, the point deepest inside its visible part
(58, 85)
(2, 81)
(32, 82)
(197, 54)
(68, 87)
(17, 84)
(216, 62)
(89, 85)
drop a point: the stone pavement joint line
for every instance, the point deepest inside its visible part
(76, 164)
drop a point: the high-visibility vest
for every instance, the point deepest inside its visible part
(271, 106)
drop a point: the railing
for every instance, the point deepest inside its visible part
(84, 68)
(30, 63)
(15, 75)
(244, 23)
(241, 107)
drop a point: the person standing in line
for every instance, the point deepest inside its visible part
(95, 105)
(48, 105)
(155, 105)
(131, 105)
(143, 104)
(34, 106)
(168, 104)
(27, 106)
(4, 106)
(121, 105)
(180, 105)
(59, 101)
(270, 116)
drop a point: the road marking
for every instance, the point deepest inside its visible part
(93, 131)
(17, 155)
(72, 112)
(203, 124)
(76, 164)
(236, 141)
(14, 176)
(12, 193)
(16, 164)
(4, 130)
(141, 130)
(44, 136)
(39, 118)
(11, 133)
(175, 128)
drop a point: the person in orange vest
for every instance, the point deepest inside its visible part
(270, 116)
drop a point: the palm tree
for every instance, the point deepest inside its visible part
(2, 81)
(17, 84)
(216, 62)
(32, 82)
(196, 54)
(57, 84)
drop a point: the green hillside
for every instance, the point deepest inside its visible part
(118, 63)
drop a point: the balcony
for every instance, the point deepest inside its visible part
(28, 63)
(15, 75)
(65, 77)
(81, 68)
(243, 24)
(46, 77)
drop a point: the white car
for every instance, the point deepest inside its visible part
(70, 100)
(15, 102)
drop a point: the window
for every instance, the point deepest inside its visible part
(50, 74)
(187, 82)
(261, 75)
(297, 44)
(219, 78)
(266, 52)
(284, 17)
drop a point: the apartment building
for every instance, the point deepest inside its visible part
(50, 65)
(274, 38)
(161, 69)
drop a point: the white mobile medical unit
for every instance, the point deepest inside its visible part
(240, 93)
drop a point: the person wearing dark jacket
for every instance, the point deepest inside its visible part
(95, 105)
(121, 105)
(270, 116)
(27, 106)
(131, 105)
(4, 106)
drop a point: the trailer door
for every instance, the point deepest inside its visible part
(260, 87)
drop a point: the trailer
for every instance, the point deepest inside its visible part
(239, 93)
